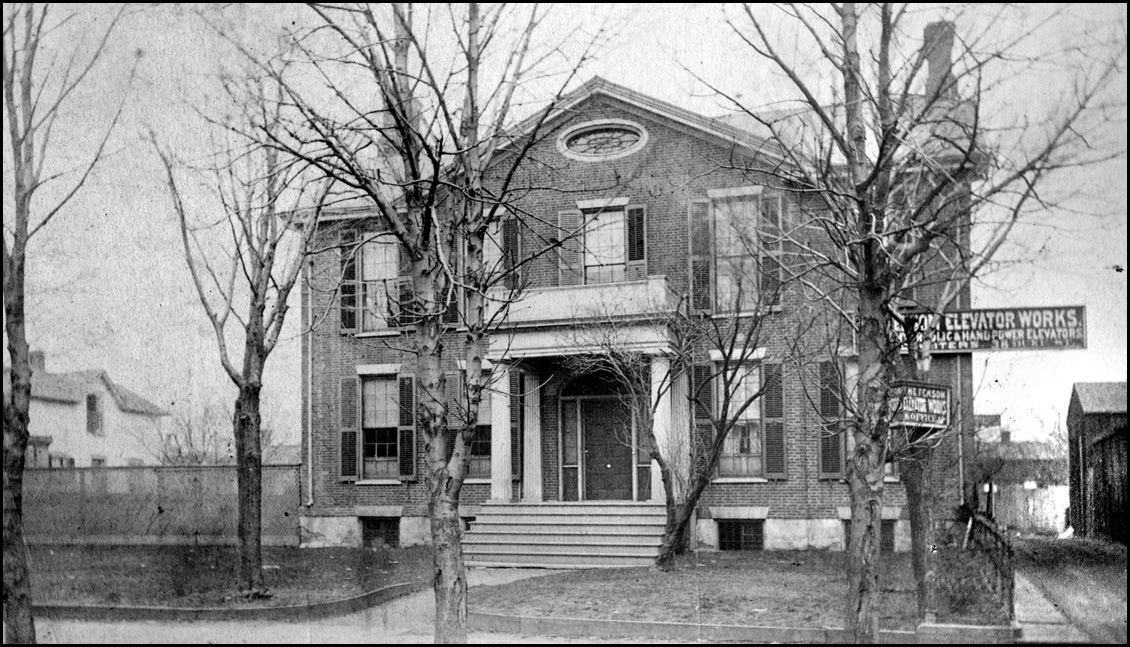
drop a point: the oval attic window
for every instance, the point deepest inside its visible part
(604, 140)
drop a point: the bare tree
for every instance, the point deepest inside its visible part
(245, 284)
(201, 437)
(47, 64)
(425, 145)
(903, 152)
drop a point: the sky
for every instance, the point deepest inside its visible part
(110, 288)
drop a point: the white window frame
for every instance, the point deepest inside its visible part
(589, 218)
(383, 290)
(754, 240)
(387, 461)
(753, 416)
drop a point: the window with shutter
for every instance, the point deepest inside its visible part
(742, 453)
(831, 436)
(701, 255)
(347, 303)
(406, 428)
(379, 421)
(569, 253)
(748, 251)
(637, 242)
(773, 419)
(517, 422)
(702, 395)
(349, 422)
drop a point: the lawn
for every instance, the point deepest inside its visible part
(779, 588)
(203, 576)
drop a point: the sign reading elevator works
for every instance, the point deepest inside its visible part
(920, 405)
(1056, 328)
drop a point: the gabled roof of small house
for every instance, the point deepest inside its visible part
(1101, 397)
(72, 388)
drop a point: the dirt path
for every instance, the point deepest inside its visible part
(1086, 579)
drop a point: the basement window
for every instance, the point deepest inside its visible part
(741, 535)
(377, 532)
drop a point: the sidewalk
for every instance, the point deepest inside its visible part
(1039, 619)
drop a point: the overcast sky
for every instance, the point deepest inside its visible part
(111, 289)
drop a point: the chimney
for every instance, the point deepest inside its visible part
(38, 361)
(1006, 437)
(938, 50)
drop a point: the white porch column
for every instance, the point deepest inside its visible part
(662, 428)
(500, 470)
(531, 450)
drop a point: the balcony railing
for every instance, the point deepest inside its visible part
(648, 298)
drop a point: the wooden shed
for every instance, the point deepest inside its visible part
(1096, 427)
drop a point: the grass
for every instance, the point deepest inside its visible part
(778, 588)
(204, 576)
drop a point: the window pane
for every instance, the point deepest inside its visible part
(744, 387)
(379, 260)
(379, 405)
(605, 250)
(742, 452)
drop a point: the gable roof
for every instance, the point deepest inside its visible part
(597, 85)
(1101, 397)
(73, 387)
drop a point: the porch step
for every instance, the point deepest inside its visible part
(565, 535)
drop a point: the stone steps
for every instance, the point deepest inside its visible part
(565, 535)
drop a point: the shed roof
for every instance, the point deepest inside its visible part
(1101, 397)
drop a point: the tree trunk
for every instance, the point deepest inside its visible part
(870, 430)
(915, 476)
(19, 626)
(675, 529)
(249, 481)
(862, 625)
(450, 573)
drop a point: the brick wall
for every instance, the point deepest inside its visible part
(674, 167)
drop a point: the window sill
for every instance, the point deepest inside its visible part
(391, 332)
(891, 479)
(777, 309)
(476, 480)
(739, 479)
(378, 482)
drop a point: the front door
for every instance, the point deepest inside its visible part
(608, 450)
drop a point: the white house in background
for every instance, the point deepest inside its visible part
(84, 419)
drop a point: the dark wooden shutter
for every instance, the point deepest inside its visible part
(637, 242)
(702, 255)
(702, 394)
(511, 253)
(406, 429)
(347, 302)
(773, 419)
(831, 438)
(516, 423)
(771, 246)
(454, 295)
(349, 406)
(453, 396)
(569, 254)
(402, 304)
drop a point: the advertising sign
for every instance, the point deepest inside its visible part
(920, 405)
(992, 329)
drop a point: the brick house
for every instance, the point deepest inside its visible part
(549, 482)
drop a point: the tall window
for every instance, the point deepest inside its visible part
(605, 251)
(373, 288)
(741, 453)
(736, 251)
(379, 418)
(748, 251)
(380, 273)
(93, 415)
(480, 440)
